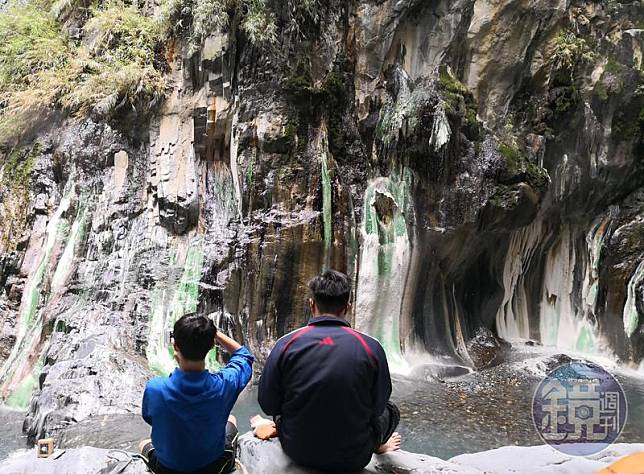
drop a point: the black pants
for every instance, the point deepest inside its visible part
(385, 425)
(223, 465)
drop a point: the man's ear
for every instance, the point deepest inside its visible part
(313, 306)
(175, 347)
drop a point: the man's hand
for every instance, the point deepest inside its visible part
(263, 428)
(228, 343)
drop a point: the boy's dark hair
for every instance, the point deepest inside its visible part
(331, 291)
(194, 335)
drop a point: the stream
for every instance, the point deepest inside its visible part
(473, 412)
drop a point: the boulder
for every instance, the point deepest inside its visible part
(266, 457)
(486, 350)
(542, 459)
(541, 366)
(74, 461)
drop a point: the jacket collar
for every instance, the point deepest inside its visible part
(328, 320)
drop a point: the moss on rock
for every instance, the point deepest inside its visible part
(505, 196)
(459, 103)
(15, 189)
(309, 101)
(519, 168)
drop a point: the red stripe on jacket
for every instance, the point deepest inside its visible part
(364, 344)
(299, 333)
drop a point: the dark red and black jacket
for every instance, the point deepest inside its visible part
(326, 382)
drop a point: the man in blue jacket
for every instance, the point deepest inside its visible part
(192, 431)
(328, 387)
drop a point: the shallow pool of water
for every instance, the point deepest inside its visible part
(478, 411)
(11, 437)
(470, 413)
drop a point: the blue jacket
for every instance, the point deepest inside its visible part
(326, 383)
(188, 412)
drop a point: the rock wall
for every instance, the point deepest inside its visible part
(473, 166)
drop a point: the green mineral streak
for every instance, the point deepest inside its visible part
(184, 300)
(160, 358)
(551, 329)
(326, 202)
(383, 258)
(631, 315)
(28, 326)
(211, 360)
(371, 218)
(33, 291)
(186, 296)
(585, 341)
(398, 191)
(21, 396)
(76, 235)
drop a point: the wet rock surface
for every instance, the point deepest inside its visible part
(486, 350)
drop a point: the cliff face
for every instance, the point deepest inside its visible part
(472, 165)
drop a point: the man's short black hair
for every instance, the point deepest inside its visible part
(194, 335)
(331, 291)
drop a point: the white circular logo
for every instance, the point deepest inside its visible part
(579, 408)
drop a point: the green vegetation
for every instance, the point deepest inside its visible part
(613, 67)
(450, 84)
(258, 19)
(116, 64)
(571, 56)
(16, 186)
(259, 22)
(309, 100)
(600, 90)
(459, 102)
(16, 172)
(196, 19)
(41, 67)
(567, 98)
(610, 82)
(505, 197)
(571, 50)
(418, 108)
(519, 168)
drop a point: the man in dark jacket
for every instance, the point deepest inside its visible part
(328, 386)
